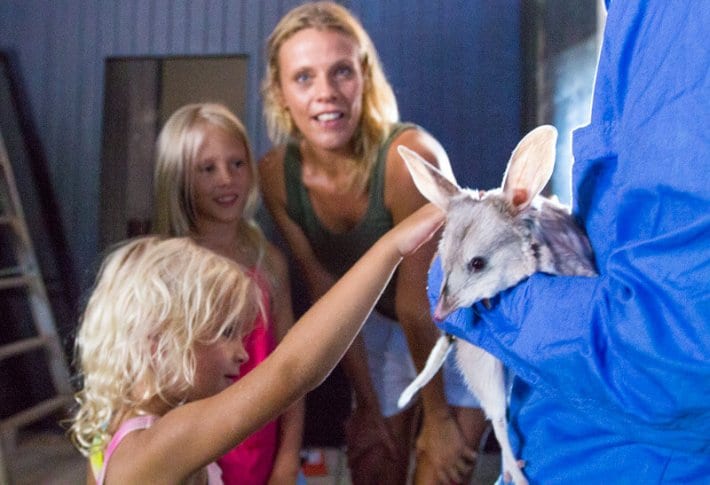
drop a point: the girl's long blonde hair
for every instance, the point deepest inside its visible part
(176, 149)
(379, 105)
(153, 300)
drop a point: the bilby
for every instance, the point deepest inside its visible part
(491, 242)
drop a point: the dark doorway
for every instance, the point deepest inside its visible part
(140, 94)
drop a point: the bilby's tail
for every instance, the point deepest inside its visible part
(433, 363)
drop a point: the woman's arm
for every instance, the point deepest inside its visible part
(273, 190)
(288, 461)
(318, 280)
(440, 437)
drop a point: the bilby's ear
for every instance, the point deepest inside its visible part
(530, 166)
(430, 181)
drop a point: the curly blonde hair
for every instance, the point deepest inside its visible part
(153, 300)
(379, 105)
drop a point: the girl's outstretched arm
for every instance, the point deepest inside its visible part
(191, 436)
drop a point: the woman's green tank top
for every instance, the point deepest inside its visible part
(338, 252)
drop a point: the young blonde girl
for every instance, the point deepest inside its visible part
(206, 188)
(161, 339)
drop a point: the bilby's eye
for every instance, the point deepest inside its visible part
(476, 264)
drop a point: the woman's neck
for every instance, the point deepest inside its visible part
(330, 161)
(329, 170)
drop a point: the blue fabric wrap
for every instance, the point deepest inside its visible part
(613, 372)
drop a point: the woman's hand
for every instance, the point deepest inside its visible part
(371, 446)
(364, 428)
(442, 445)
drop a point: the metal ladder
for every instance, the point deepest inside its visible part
(24, 274)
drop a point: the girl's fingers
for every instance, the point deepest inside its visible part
(419, 227)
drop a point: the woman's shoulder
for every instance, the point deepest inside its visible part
(421, 141)
(272, 177)
(416, 138)
(401, 196)
(273, 159)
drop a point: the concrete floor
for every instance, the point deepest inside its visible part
(487, 470)
(48, 458)
(44, 458)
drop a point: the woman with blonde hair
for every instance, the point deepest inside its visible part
(333, 184)
(206, 188)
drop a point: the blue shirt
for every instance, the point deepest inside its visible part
(613, 373)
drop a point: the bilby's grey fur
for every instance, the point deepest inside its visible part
(490, 243)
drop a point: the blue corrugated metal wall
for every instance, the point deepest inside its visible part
(454, 64)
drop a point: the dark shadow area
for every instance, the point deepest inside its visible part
(25, 378)
(39, 199)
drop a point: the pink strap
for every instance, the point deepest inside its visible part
(139, 422)
(214, 474)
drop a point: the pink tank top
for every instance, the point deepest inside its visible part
(142, 422)
(252, 460)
